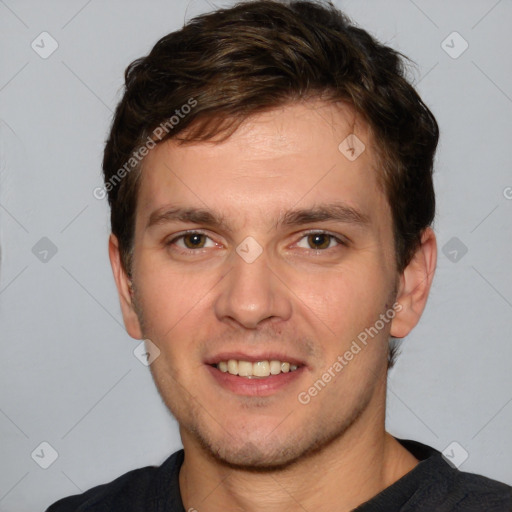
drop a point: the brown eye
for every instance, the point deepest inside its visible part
(319, 240)
(194, 240)
(187, 242)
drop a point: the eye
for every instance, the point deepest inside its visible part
(319, 241)
(192, 240)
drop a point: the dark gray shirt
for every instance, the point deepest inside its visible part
(432, 486)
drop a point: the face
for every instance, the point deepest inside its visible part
(267, 250)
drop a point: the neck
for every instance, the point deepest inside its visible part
(349, 471)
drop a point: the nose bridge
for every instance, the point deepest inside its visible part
(251, 292)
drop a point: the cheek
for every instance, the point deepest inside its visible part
(163, 304)
(345, 300)
(177, 311)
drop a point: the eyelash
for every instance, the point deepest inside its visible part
(339, 240)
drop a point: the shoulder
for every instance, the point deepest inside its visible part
(469, 491)
(135, 490)
(443, 485)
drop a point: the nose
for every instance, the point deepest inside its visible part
(251, 293)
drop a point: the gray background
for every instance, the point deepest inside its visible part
(68, 375)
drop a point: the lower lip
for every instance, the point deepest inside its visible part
(262, 386)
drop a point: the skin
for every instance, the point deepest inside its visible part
(273, 452)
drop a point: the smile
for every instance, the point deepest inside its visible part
(257, 369)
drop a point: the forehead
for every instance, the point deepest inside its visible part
(294, 155)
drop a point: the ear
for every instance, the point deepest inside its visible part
(124, 289)
(414, 286)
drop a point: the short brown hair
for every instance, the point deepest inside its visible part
(263, 54)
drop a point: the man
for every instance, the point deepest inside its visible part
(269, 172)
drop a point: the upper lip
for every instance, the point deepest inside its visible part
(253, 358)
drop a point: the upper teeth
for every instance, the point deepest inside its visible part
(257, 369)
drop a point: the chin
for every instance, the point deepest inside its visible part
(261, 457)
(265, 452)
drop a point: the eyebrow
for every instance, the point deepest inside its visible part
(339, 212)
(192, 215)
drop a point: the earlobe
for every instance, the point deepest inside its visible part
(414, 286)
(124, 290)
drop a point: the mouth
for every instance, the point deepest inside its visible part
(262, 375)
(256, 369)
